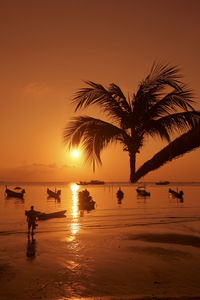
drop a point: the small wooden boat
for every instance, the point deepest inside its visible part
(55, 194)
(142, 191)
(85, 201)
(162, 182)
(16, 193)
(176, 194)
(46, 216)
(57, 214)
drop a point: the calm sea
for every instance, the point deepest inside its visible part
(133, 211)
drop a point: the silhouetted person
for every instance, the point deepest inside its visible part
(31, 219)
(181, 194)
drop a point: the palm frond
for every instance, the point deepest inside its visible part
(150, 104)
(117, 93)
(161, 75)
(157, 129)
(111, 101)
(182, 99)
(180, 121)
(169, 124)
(96, 93)
(93, 134)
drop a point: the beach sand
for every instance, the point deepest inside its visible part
(114, 264)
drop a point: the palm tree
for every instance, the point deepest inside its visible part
(161, 106)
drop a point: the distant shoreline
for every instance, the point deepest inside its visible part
(106, 183)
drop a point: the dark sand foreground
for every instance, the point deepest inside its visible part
(114, 264)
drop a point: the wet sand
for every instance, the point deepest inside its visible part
(113, 264)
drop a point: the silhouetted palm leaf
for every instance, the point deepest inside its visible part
(93, 134)
(161, 75)
(111, 103)
(171, 123)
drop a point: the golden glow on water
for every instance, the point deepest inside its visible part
(68, 239)
(75, 211)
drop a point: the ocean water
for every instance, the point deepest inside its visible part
(133, 211)
(140, 247)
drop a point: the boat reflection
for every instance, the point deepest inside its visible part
(120, 196)
(142, 201)
(176, 201)
(142, 198)
(75, 226)
(56, 200)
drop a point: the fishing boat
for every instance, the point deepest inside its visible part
(16, 192)
(176, 194)
(141, 190)
(90, 182)
(162, 182)
(57, 214)
(85, 201)
(54, 194)
(45, 216)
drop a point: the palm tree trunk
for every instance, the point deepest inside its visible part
(132, 157)
(181, 145)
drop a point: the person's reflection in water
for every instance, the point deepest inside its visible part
(31, 247)
(81, 213)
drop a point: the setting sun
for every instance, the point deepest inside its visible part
(75, 153)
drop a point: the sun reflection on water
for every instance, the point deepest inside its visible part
(75, 211)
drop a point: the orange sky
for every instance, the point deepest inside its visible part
(49, 47)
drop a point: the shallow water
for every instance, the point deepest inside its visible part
(143, 246)
(133, 210)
